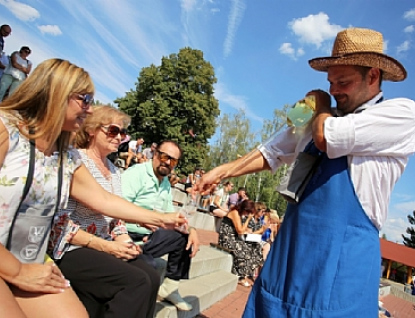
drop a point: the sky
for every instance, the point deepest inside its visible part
(259, 50)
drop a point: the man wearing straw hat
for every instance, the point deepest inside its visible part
(325, 259)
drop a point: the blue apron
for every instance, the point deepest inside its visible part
(325, 261)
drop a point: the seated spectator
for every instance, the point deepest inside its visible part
(173, 178)
(237, 197)
(94, 251)
(220, 199)
(135, 152)
(16, 72)
(147, 185)
(36, 125)
(148, 153)
(271, 221)
(206, 200)
(119, 157)
(192, 179)
(4, 61)
(246, 257)
(256, 224)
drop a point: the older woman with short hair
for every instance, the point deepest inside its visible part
(108, 273)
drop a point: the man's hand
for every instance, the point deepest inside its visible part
(323, 100)
(193, 242)
(40, 278)
(151, 227)
(208, 182)
(323, 111)
(173, 220)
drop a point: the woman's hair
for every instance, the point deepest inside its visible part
(42, 99)
(273, 215)
(102, 115)
(260, 206)
(246, 206)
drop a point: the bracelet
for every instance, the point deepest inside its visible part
(191, 228)
(90, 240)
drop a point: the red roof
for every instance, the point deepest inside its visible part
(397, 252)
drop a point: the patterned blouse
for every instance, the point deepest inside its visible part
(77, 216)
(13, 175)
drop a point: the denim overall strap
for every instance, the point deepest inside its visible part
(325, 261)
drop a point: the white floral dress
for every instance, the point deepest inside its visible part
(13, 175)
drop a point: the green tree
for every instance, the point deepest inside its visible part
(175, 101)
(410, 241)
(235, 138)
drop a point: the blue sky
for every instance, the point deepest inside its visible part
(259, 49)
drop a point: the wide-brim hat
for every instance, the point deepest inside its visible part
(361, 47)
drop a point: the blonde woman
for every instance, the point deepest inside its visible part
(47, 108)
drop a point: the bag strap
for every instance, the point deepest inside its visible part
(27, 185)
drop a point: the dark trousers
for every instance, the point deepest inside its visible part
(169, 242)
(124, 289)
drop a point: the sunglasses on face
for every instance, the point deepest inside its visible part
(113, 131)
(86, 99)
(165, 157)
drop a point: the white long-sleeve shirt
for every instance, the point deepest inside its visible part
(377, 142)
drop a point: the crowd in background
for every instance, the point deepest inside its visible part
(14, 68)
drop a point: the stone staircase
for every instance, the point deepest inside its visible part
(210, 280)
(210, 277)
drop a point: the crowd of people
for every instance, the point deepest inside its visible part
(15, 68)
(66, 251)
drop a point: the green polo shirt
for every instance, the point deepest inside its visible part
(141, 187)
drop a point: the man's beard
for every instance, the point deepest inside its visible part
(163, 170)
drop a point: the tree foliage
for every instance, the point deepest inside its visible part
(410, 241)
(234, 139)
(175, 101)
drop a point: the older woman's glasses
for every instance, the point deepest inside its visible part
(87, 100)
(113, 131)
(165, 157)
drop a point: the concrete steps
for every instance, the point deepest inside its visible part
(210, 280)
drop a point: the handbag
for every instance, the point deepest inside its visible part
(30, 228)
(299, 174)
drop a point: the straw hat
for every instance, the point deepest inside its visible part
(361, 47)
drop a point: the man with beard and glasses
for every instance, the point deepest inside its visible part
(147, 185)
(325, 259)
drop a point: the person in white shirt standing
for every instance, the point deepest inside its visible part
(331, 269)
(16, 72)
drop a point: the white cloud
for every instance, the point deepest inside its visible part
(235, 18)
(394, 228)
(404, 47)
(409, 29)
(20, 10)
(287, 49)
(237, 102)
(50, 29)
(409, 15)
(397, 221)
(300, 52)
(385, 45)
(404, 207)
(188, 5)
(314, 29)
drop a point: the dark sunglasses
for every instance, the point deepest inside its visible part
(86, 99)
(113, 131)
(164, 157)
